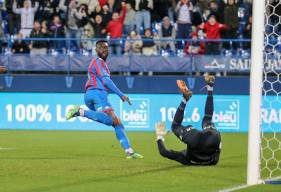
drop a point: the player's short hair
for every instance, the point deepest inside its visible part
(101, 41)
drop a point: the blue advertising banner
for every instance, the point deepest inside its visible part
(188, 63)
(231, 63)
(46, 111)
(136, 84)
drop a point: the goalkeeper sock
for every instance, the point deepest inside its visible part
(123, 139)
(98, 116)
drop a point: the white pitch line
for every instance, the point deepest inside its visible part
(235, 188)
(7, 148)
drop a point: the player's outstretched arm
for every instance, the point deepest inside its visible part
(179, 156)
(111, 85)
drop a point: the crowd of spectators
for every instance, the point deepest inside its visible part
(146, 27)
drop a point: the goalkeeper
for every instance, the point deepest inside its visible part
(203, 147)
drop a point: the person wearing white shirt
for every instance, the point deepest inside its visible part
(27, 14)
(143, 16)
(184, 20)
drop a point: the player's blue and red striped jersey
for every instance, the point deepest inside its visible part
(96, 72)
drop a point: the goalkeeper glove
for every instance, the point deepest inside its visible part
(160, 130)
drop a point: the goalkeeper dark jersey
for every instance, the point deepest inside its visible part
(203, 148)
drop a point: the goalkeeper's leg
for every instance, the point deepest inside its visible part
(209, 106)
(180, 111)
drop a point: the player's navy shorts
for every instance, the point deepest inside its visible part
(97, 100)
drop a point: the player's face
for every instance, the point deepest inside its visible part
(102, 50)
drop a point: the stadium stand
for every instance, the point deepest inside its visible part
(74, 20)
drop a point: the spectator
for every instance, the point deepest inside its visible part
(91, 4)
(143, 16)
(44, 11)
(171, 11)
(248, 33)
(184, 20)
(38, 47)
(232, 21)
(57, 31)
(245, 9)
(106, 15)
(202, 4)
(19, 46)
(99, 27)
(54, 5)
(133, 44)
(195, 46)
(161, 10)
(27, 16)
(1, 31)
(88, 33)
(72, 18)
(129, 22)
(114, 6)
(97, 11)
(217, 10)
(85, 17)
(12, 18)
(102, 2)
(148, 46)
(45, 29)
(167, 31)
(115, 30)
(213, 30)
(197, 17)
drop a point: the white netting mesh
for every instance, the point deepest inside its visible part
(271, 105)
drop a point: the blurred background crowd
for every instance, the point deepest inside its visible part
(148, 27)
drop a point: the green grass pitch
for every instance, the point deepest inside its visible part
(71, 161)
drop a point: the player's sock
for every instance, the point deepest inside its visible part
(98, 116)
(123, 139)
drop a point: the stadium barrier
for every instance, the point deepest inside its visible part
(36, 111)
(232, 60)
(133, 63)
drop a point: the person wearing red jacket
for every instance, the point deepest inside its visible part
(102, 2)
(115, 30)
(195, 47)
(213, 29)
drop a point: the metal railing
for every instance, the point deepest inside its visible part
(86, 46)
(58, 55)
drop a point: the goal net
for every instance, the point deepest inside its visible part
(264, 141)
(271, 90)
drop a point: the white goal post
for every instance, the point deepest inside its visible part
(256, 76)
(264, 137)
